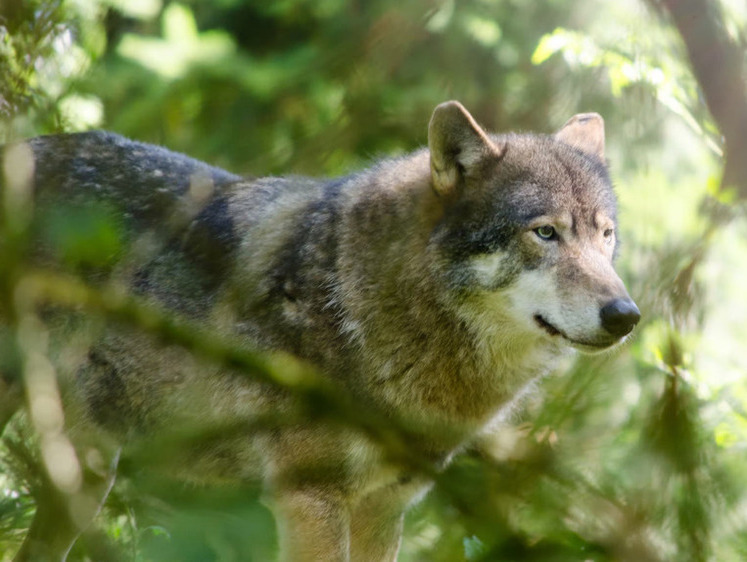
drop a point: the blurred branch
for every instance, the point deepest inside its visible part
(317, 397)
(718, 64)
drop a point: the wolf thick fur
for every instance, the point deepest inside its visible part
(434, 287)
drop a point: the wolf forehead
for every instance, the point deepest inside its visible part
(540, 171)
(536, 176)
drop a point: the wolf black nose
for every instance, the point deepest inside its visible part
(620, 316)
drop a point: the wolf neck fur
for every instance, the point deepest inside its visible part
(392, 315)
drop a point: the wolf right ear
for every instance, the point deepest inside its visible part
(584, 131)
(456, 143)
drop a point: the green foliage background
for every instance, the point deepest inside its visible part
(639, 455)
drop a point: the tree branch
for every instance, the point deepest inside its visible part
(718, 64)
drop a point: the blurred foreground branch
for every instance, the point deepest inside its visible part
(317, 396)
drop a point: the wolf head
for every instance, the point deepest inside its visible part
(528, 235)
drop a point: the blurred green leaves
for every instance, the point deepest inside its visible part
(635, 64)
(82, 237)
(180, 47)
(45, 45)
(138, 9)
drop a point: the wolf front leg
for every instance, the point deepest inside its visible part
(313, 525)
(309, 486)
(377, 519)
(376, 529)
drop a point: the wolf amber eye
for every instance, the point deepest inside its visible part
(546, 232)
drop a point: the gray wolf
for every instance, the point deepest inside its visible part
(435, 287)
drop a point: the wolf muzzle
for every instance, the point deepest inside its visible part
(620, 316)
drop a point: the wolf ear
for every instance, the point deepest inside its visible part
(584, 131)
(456, 143)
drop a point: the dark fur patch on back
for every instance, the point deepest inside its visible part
(106, 392)
(300, 273)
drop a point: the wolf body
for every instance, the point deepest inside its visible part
(434, 287)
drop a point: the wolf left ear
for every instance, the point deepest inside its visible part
(456, 143)
(584, 131)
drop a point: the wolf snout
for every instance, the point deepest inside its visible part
(619, 316)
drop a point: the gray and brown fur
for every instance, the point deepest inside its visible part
(428, 286)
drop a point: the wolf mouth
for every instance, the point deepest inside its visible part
(553, 331)
(549, 328)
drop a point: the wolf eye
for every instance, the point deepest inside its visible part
(546, 232)
(608, 234)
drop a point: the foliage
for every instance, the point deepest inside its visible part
(635, 455)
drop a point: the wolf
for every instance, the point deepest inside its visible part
(435, 287)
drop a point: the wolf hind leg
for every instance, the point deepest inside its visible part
(61, 518)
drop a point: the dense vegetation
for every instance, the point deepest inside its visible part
(635, 455)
